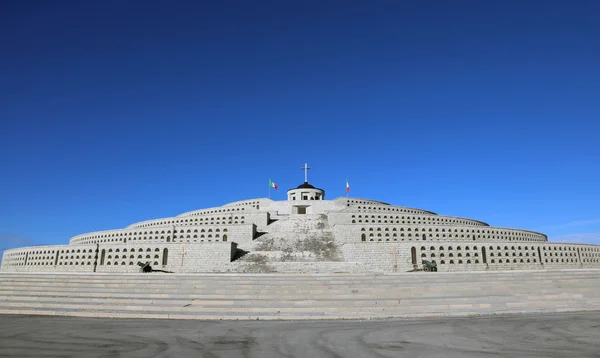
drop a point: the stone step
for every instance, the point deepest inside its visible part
(432, 277)
(306, 289)
(309, 286)
(278, 301)
(293, 282)
(309, 277)
(355, 313)
(200, 287)
(290, 282)
(465, 273)
(290, 307)
(296, 317)
(310, 312)
(279, 276)
(242, 299)
(588, 292)
(355, 294)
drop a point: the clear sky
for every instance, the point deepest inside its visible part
(116, 111)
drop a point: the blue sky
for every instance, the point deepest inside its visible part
(114, 112)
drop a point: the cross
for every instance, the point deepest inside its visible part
(306, 169)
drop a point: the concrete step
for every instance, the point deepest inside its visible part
(399, 282)
(302, 294)
(269, 304)
(290, 283)
(284, 277)
(315, 299)
(291, 294)
(311, 312)
(277, 301)
(305, 310)
(271, 289)
(417, 278)
(412, 274)
(303, 283)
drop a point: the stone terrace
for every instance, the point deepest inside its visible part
(297, 296)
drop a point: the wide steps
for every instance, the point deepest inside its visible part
(297, 296)
(416, 276)
(169, 304)
(367, 292)
(314, 313)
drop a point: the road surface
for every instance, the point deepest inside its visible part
(547, 335)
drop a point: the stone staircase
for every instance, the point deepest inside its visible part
(297, 227)
(276, 216)
(297, 296)
(292, 240)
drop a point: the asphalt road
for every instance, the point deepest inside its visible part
(559, 335)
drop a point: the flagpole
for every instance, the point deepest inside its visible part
(269, 188)
(346, 187)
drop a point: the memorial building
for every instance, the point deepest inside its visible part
(306, 233)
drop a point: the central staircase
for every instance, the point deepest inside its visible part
(298, 243)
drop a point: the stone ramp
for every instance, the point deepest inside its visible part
(298, 296)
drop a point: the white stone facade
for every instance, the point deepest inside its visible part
(305, 233)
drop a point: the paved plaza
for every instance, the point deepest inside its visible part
(548, 335)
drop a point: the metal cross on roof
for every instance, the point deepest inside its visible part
(306, 169)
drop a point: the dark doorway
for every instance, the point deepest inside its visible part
(165, 257)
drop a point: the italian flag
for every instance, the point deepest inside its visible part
(347, 186)
(272, 184)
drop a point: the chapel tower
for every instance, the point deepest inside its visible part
(305, 191)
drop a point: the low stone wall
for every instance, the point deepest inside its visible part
(119, 257)
(175, 257)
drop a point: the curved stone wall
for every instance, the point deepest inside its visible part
(244, 205)
(75, 258)
(348, 217)
(178, 220)
(212, 232)
(378, 206)
(443, 233)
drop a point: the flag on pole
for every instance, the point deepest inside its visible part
(272, 184)
(347, 186)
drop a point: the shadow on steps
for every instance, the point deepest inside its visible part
(258, 234)
(239, 253)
